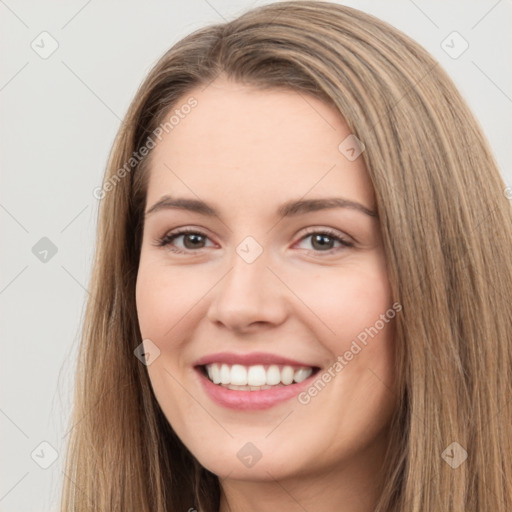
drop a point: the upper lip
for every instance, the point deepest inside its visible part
(250, 359)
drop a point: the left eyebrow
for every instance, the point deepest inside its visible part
(292, 208)
(288, 209)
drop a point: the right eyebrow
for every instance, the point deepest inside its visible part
(193, 205)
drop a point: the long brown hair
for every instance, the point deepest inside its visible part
(447, 233)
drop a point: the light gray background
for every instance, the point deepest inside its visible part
(58, 119)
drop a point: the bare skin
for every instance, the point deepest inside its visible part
(307, 297)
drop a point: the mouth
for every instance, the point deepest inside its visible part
(256, 381)
(258, 377)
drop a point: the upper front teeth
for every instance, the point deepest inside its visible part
(257, 375)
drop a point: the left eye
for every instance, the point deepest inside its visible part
(321, 241)
(324, 240)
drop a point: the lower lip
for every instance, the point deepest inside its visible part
(251, 400)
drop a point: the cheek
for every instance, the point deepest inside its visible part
(165, 307)
(165, 299)
(348, 302)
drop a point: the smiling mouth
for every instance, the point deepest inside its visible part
(258, 377)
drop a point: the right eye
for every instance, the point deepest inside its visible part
(192, 240)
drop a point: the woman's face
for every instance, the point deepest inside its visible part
(279, 289)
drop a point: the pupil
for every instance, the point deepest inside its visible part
(194, 239)
(321, 239)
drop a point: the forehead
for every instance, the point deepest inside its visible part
(245, 145)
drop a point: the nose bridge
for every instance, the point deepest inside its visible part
(248, 266)
(248, 292)
(248, 278)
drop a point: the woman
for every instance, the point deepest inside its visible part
(232, 359)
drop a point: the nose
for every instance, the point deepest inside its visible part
(249, 297)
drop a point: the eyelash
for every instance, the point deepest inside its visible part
(170, 237)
